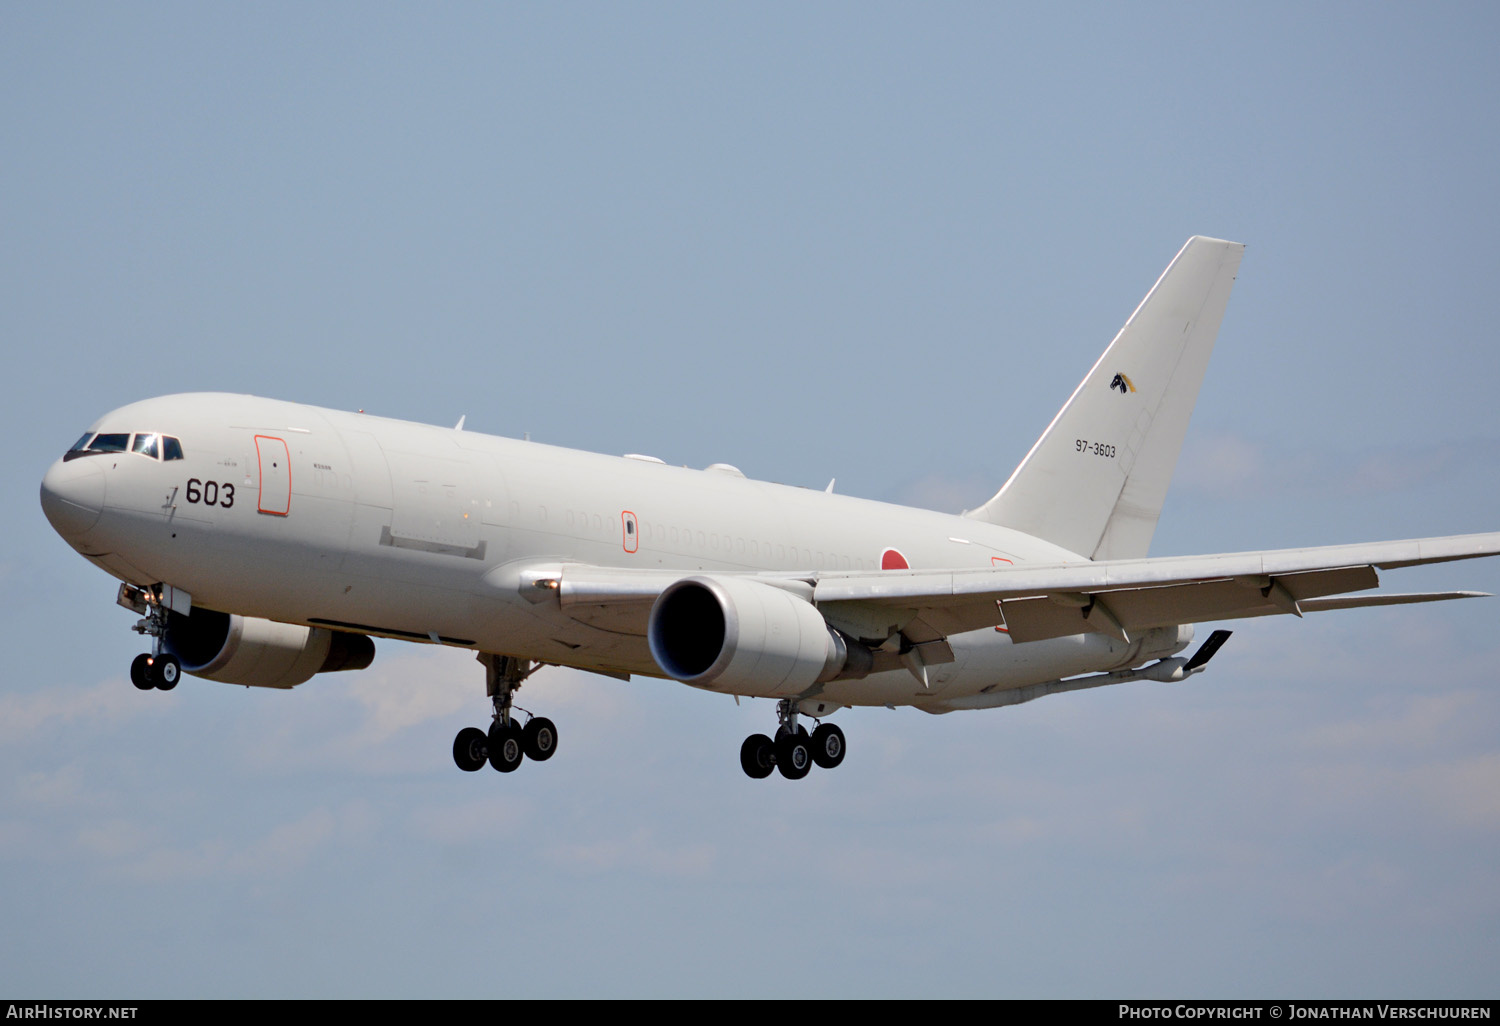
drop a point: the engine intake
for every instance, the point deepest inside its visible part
(747, 638)
(261, 653)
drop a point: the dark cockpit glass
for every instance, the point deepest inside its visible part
(146, 443)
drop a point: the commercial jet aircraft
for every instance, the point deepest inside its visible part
(263, 542)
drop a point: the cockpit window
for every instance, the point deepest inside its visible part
(147, 443)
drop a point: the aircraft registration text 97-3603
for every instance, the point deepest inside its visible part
(1083, 445)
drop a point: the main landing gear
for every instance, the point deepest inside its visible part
(506, 742)
(792, 751)
(158, 668)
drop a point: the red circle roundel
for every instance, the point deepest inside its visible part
(891, 559)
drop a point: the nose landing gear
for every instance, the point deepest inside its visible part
(792, 752)
(158, 668)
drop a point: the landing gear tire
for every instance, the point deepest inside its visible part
(539, 739)
(166, 671)
(793, 754)
(471, 749)
(140, 672)
(827, 745)
(758, 756)
(507, 748)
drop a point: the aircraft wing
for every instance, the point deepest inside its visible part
(1120, 597)
(1034, 602)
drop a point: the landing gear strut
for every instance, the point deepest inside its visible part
(792, 752)
(506, 742)
(159, 668)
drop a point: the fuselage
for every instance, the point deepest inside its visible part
(354, 522)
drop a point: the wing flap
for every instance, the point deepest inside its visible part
(1037, 618)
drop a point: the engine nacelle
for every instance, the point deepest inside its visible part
(261, 653)
(747, 638)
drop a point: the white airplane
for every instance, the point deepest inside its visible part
(263, 542)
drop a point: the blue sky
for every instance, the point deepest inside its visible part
(875, 242)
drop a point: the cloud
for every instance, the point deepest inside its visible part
(1467, 791)
(59, 787)
(284, 847)
(1230, 466)
(1414, 723)
(400, 715)
(400, 693)
(481, 820)
(1461, 792)
(106, 704)
(945, 492)
(113, 838)
(640, 850)
(1221, 465)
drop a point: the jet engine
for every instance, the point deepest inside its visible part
(261, 653)
(748, 638)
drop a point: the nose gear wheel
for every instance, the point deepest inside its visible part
(158, 668)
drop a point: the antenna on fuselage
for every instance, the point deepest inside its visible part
(460, 425)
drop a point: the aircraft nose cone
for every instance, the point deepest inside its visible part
(73, 496)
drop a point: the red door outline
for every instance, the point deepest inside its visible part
(275, 464)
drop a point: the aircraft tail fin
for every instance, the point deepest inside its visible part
(1094, 483)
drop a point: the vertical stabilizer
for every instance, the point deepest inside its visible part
(1094, 483)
